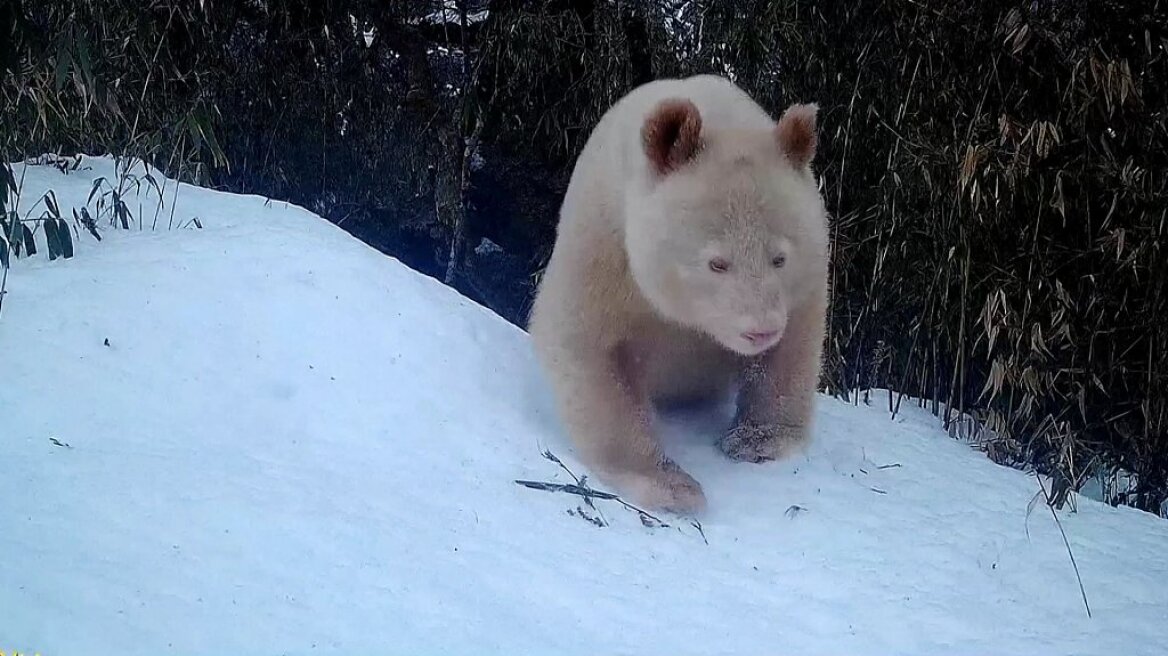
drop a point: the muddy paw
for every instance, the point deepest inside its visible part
(749, 442)
(669, 489)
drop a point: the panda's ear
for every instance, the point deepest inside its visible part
(671, 135)
(796, 134)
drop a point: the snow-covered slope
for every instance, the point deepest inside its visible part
(265, 437)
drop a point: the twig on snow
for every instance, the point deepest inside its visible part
(1066, 541)
(581, 481)
(698, 525)
(581, 488)
(570, 488)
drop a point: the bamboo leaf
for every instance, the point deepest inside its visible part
(86, 63)
(96, 186)
(30, 248)
(123, 214)
(193, 129)
(65, 238)
(15, 243)
(62, 71)
(89, 223)
(7, 181)
(154, 184)
(216, 149)
(51, 203)
(4, 173)
(52, 240)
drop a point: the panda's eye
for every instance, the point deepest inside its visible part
(779, 261)
(719, 265)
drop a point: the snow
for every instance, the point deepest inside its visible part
(366, 32)
(292, 443)
(449, 13)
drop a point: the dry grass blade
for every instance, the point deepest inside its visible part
(1066, 542)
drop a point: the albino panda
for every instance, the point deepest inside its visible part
(691, 258)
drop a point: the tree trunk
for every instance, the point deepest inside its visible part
(463, 151)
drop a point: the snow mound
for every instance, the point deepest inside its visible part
(263, 436)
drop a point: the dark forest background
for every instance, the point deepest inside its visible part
(996, 171)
